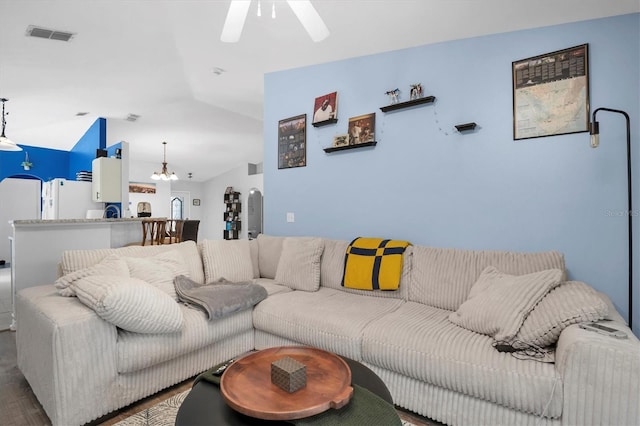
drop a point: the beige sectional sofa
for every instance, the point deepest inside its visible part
(81, 366)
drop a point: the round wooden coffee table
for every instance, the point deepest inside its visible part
(328, 384)
(205, 405)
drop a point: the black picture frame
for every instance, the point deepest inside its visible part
(551, 93)
(292, 142)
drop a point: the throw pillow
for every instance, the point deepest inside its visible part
(159, 270)
(269, 251)
(498, 303)
(227, 259)
(130, 303)
(110, 265)
(571, 302)
(299, 264)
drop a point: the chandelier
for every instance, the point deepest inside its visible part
(164, 174)
(6, 144)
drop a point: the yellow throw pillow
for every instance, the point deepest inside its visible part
(373, 264)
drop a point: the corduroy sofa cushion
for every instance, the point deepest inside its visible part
(443, 277)
(226, 259)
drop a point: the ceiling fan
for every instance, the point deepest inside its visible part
(303, 9)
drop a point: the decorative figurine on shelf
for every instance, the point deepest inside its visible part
(416, 91)
(394, 95)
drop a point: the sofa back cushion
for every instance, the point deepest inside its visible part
(73, 260)
(332, 270)
(443, 277)
(269, 250)
(228, 259)
(299, 264)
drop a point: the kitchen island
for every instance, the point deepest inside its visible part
(37, 245)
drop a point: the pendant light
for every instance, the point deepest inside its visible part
(6, 144)
(164, 174)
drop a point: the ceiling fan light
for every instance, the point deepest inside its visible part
(310, 19)
(234, 23)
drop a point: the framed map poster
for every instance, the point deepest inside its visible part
(551, 93)
(292, 142)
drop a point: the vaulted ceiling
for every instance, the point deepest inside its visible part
(161, 60)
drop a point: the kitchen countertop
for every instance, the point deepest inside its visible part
(75, 221)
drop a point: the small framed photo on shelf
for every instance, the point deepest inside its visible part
(362, 129)
(196, 201)
(325, 108)
(340, 140)
(292, 142)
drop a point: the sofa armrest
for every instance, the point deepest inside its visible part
(601, 377)
(67, 354)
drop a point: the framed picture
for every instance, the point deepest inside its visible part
(292, 142)
(362, 129)
(551, 93)
(325, 107)
(196, 201)
(340, 140)
(142, 188)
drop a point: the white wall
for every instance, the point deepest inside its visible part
(160, 201)
(20, 201)
(212, 223)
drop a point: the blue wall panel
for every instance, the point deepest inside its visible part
(84, 151)
(433, 186)
(53, 163)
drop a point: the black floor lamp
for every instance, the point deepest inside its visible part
(594, 128)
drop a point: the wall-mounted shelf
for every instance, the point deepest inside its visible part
(342, 148)
(465, 127)
(407, 104)
(325, 122)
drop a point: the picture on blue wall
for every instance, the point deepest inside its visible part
(551, 93)
(325, 108)
(292, 142)
(362, 129)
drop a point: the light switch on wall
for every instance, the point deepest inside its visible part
(291, 217)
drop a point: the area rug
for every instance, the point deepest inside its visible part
(164, 414)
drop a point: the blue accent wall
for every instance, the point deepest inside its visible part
(426, 183)
(84, 151)
(53, 163)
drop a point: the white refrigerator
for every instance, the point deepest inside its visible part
(67, 199)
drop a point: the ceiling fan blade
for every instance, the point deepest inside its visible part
(234, 23)
(310, 19)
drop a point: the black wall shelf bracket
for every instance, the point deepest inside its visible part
(408, 104)
(343, 148)
(325, 122)
(465, 127)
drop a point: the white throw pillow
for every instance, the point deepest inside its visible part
(571, 302)
(227, 259)
(130, 303)
(498, 303)
(159, 270)
(110, 265)
(299, 264)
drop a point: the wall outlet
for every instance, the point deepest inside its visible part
(291, 217)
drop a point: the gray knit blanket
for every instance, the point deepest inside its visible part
(219, 298)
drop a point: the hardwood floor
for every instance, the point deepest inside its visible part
(20, 407)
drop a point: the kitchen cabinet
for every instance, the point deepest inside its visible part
(106, 185)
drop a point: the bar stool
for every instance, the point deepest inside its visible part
(154, 230)
(174, 231)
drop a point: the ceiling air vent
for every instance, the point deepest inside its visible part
(34, 31)
(132, 117)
